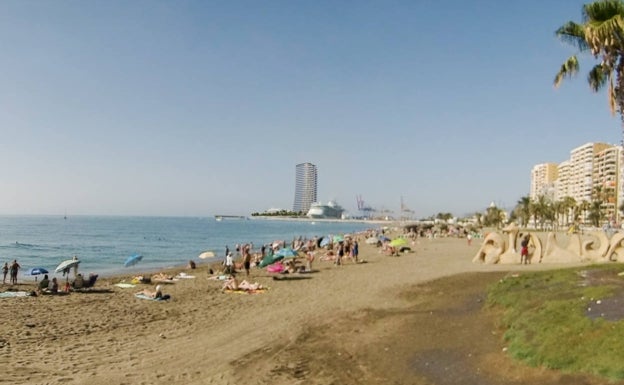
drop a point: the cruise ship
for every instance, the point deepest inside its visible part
(329, 210)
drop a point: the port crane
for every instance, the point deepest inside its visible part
(364, 210)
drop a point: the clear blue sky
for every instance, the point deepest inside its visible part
(205, 107)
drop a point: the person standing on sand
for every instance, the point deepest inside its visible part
(246, 258)
(469, 238)
(5, 271)
(14, 269)
(524, 250)
(229, 264)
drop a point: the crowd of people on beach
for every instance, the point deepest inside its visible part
(279, 257)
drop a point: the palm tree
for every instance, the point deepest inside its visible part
(541, 210)
(602, 35)
(570, 204)
(584, 206)
(595, 213)
(524, 210)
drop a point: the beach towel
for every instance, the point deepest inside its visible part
(124, 285)
(11, 294)
(167, 281)
(241, 291)
(220, 277)
(184, 276)
(147, 297)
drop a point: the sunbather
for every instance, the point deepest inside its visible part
(233, 284)
(153, 294)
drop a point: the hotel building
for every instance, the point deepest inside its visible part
(305, 187)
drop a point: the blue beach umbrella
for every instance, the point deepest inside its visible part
(286, 252)
(38, 270)
(133, 260)
(324, 242)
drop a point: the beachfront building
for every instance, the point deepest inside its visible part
(591, 174)
(543, 177)
(305, 187)
(563, 181)
(582, 162)
(607, 164)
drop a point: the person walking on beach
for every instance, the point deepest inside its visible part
(14, 269)
(5, 271)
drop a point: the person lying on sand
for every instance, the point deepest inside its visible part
(162, 277)
(153, 294)
(233, 284)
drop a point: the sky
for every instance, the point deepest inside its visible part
(197, 108)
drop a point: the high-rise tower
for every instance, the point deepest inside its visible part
(305, 187)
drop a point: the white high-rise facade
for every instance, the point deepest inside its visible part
(591, 174)
(305, 187)
(543, 177)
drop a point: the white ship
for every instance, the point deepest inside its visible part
(329, 210)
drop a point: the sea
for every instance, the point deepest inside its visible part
(103, 243)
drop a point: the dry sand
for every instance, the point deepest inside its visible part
(342, 324)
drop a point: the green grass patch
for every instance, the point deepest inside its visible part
(546, 322)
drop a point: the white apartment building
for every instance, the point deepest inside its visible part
(592, 172)
(607, 166)
(563, 180)
(543, 177)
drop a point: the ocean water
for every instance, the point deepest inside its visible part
(103, 243)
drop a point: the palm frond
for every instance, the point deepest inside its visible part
(567, 70)
(573, 34)
(602, 10)
(597, 77)
(604, 34)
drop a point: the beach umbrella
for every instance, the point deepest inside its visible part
(338, 238)
(38, 270)
(324, 242)
(286, 252)
(398, 242)
(132, 260)
(384, 238)
(207, 254)
(66, 265)
(372, 240)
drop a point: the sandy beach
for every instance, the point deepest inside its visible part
(340, 324)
